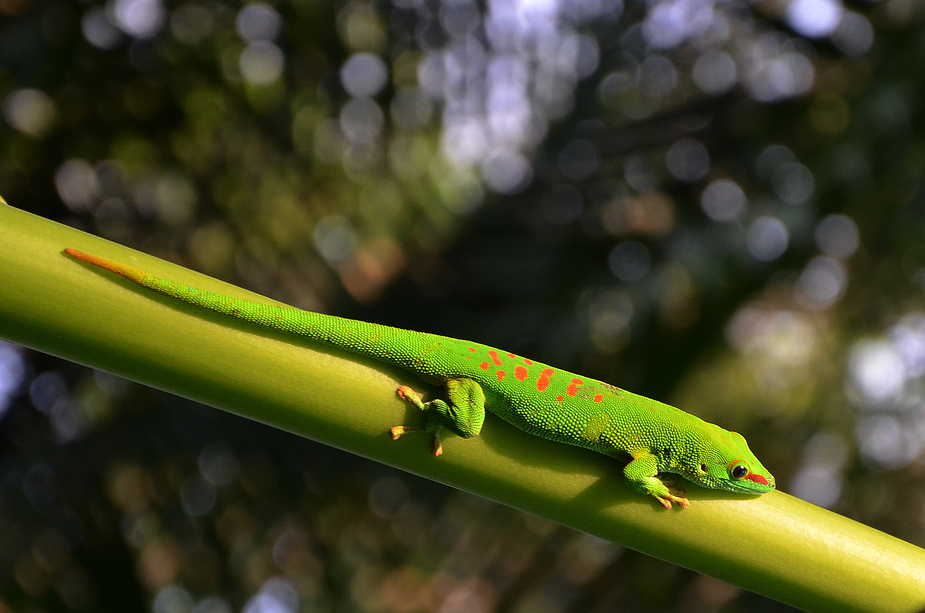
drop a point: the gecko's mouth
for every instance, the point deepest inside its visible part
(752, 484)
(757, 484)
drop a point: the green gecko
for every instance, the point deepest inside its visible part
(548, 402)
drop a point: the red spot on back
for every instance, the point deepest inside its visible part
(511, 355)
(528, 362)
(572, 389)
(494, 357)
(757, 478)
(484, 365)
(543, 382)
(560, 398)
(501, 374)
(472, 349)
(520, 373)
(598, 398)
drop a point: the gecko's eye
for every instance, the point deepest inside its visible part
(740, 471)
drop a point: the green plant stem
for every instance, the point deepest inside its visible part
(774, 544)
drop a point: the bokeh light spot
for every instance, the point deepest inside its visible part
(30, 111)
(12, 374)
(218, 464)
(837, 236)
(335, 238)
(814, 18)
(658, 76)
(99, 30)
(877, 372)
(261, 63)
(172, 599)
(854, 34)
(507, 172)
(361, 120)
(793, 183)
(767, 238)
(364, 75)
(140, 18)
(630, 261)
(258, 22)
(276, 595)
(723, 200)
(687, 160)
(822, 282)
(714, 72)
(77, 184)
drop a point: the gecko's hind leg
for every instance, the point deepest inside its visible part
(463, 414)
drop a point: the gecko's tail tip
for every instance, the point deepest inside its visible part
(119, 269)
(84, 257)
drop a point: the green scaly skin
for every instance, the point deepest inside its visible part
(551, 403)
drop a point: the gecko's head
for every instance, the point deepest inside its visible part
(728, 464)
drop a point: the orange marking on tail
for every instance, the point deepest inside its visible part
(132, 274)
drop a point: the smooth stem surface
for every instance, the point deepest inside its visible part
(774, 544)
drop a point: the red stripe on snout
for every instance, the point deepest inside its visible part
(757, 478)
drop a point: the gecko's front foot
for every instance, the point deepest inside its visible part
(668, 498)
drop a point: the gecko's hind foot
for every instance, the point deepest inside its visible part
(436, 447)
(399, 431)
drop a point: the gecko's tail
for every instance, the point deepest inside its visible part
(392, 345)
(132, 274)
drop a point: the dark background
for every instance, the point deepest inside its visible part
(716, 204)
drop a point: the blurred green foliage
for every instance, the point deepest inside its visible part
(718, 204)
